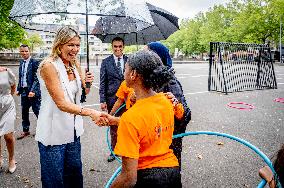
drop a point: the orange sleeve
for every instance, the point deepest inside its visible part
(121, 90)
(127, 140)
(179, 111)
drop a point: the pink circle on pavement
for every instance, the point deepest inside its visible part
(281, 100)
(248, 106)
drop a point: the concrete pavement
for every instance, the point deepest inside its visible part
(206, 162)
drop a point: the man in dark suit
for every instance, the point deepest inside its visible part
(111, 76)
(28, 88)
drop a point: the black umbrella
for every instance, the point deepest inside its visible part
(165, 24)
(49, 15)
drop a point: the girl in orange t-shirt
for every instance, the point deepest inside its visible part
(127, 95)
(124, 94)
(145, 131)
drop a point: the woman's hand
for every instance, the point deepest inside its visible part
(89, 77)
(132, 98)
(267, 174)
(178, 107)
(94, 114)
(172, 98)
(103, 120)
(106, 120)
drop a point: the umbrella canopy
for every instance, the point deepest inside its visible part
(165, 23)
(49, 15)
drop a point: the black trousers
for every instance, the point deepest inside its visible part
(26, 103)
(113, 129)
(159, 178)
(176, 146)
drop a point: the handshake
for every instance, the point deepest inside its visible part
(104, 119)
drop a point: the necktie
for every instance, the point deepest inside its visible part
(23, 73)
(119, 65)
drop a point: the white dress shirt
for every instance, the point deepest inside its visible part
(121, 62)
(24, 76)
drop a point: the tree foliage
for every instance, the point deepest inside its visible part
(33, 40)
(244, 21)
(132, 48)
(11, 34)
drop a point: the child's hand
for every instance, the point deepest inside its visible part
(132, 98)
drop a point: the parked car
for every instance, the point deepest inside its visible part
(276, 54)
(206, 58)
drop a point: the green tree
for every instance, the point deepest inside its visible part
(244, 21)
(276, 7)
(174, 41)
(255, 23)
(216, 25)
(33, 40)
(11, 34)
(132, 48)
(128, 49)
(192, 43)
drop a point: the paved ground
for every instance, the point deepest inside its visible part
(205, 163)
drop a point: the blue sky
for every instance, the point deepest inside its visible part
(186, 8)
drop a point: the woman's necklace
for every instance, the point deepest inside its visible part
(69, 69)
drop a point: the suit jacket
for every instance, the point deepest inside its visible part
(110, 80)
(32, 80)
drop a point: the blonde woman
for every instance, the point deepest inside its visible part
(7, 115)
(60, 122)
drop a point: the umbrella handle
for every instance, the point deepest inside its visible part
(88, 84)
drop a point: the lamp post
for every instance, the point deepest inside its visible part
(280, 42)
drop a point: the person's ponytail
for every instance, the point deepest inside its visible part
(159, 77)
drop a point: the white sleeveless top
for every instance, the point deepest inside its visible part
(73, 88)
(55, 127)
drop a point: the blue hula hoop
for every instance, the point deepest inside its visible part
(109, 146)
(242, 141)
(107, 133)
(116, 173)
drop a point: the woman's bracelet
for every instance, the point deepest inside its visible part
(81, 111)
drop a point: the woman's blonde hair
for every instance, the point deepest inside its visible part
(64, 35)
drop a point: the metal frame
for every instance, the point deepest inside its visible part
(240, 67)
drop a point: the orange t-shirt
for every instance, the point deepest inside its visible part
(179, 111)
(125, 93)
(145, 133)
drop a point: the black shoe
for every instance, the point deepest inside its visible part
(110, 158)
(23, 135)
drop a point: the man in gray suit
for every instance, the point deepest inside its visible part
(111, 76)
